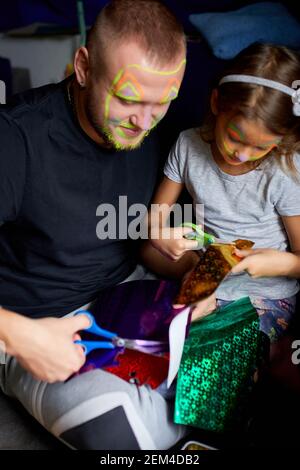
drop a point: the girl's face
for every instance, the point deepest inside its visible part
(240, 140)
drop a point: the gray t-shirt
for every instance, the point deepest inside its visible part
(245, 206)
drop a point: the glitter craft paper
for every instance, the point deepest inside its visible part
(219, 359)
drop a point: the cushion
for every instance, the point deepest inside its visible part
(231, 32)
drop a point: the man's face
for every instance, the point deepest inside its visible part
(132, 95)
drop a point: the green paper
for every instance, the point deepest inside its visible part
(220, 356)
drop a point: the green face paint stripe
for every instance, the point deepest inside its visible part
(106, 107)
(156, 120)
(128, 98)
(236, 130)
(109, 96)
(158, 72)
(147, 69)
(230, 152)
(135, 96)
(167, 99)
(127, 124)
(234, 135)
(260, 155)
(272, 144)
(117, 77)
(122, 134)
(115, 121)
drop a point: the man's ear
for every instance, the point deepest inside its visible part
(214, 102)
(81, 66)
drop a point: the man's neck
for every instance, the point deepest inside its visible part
(79, 96)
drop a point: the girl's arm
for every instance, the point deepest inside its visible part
(268, 262)
(162, 266)
(292, 227)
(166, 195)
(165, 244)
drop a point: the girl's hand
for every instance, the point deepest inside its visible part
(171, 243)
(202, 308)
(265, 262)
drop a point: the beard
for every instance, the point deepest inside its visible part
(104, 132)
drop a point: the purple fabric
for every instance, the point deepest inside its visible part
(134, 310)
(138, 309)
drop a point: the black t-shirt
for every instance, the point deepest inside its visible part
(53, 177)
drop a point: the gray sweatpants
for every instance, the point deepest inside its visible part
(97, 410)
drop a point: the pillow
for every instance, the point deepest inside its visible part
(231, 32)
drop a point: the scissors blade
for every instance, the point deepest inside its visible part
(222, 242)
(143, 345)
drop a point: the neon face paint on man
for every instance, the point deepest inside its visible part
(131, 95)
(144, 113)
(241, 141)
(137, 96)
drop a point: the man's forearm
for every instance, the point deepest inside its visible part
(9, 322)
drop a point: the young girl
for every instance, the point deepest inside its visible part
(243, 166)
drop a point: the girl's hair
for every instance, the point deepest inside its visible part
(274, 108)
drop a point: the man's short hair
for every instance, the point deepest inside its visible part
(147, 22)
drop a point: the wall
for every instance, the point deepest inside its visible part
(38, 60)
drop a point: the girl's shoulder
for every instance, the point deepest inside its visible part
(288, 172)
(192, 140)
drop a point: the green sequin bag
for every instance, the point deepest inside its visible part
(215, 377)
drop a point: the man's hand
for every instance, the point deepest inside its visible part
(266, 262)
(46, 347)
(172, 244)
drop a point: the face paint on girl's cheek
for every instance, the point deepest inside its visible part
(237, 134)
(228, 150)
(263, 154)
(243, 158)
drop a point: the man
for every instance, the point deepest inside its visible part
(66, 149)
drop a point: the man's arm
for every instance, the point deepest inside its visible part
(44, 347)
(13, 157)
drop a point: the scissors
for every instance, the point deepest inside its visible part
(204, 239)
(114, 341)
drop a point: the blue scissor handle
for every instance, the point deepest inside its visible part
(89, 346)
(94, 328)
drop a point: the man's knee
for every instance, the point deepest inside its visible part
(109, 431)
(111, 421)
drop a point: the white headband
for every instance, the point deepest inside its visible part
(295, 94)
